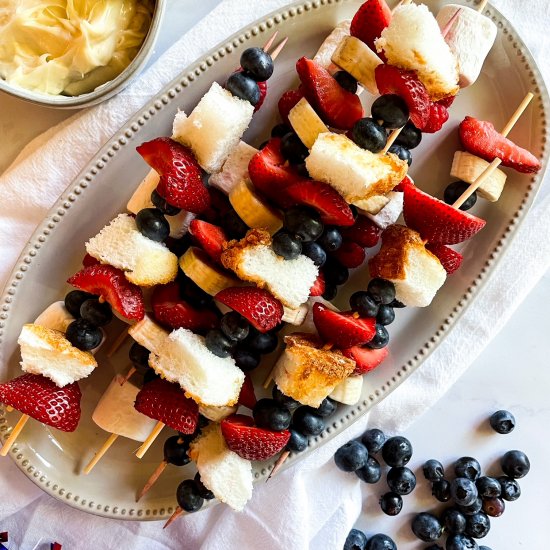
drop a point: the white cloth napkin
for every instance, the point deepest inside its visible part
(312, 505)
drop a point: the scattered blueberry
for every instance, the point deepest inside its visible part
(74, 299)
(373, 440)
(204, 492)
(493, 507)
(515, 464)
(243, 86)
(331, 239)
(293, 149)
(283, 399)
(441, 490)
(502, 422)
(397, 451)
(401, 152)
(303, 222)
(326, 408)
(262, 342)
(218, 343)
(386, 315)
(362, 302)
(510, 489)
(246, 359)
(381, 290)
(152, 224)
(307, 421)
(453, 192)
(165, 207)
(381, 337)
(271, 415)
(460, 542)
(83, 335)
(478, 525)
(471, 509)
(453, 521)
(356, 540)
(463, 491)
(175, 451)
(381, 542)
(426, 527)
(370, 472)
(488, 487)
(347, 81)
(351, 456)
(369, 135)
(467, 467)
(392, 110)
(391, 503)
(401, 480)
(297, 442)
(315, 251)
(234, 326)
(433, 470)
(188, 496)
(410, 136)
(257, 63)
(286, 245)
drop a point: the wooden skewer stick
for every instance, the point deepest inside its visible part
(173, 517)
(519, 111)
(118, 342)
(269, 43)
(150, 440)
(391, 139)
(278, 465)
(153, 479)
(279, 49)
(14, 435)
(97, 457)
(128, 375)
(447, 27)
(482, 5)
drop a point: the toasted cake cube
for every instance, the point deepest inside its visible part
(215, 127)
(391, 212)
(404, 260)
(235, 168)
(323, 56)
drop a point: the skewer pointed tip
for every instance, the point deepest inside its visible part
(14, 435)
(178, 512)
(152, 480)
(279, 49)
(278, 465)
(269, 43)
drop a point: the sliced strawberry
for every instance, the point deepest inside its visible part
(111, 284)
(318, 288)
(438, 116)
(181, 182)
(263, 95)
(171, 310)
(365, 232)
(435, 220)
(343, 330)
(369, 21)
(450, 259)
(255, 304)
(287, 102)
(247, 397)
(249, 441)
(337, 107)
(210, 237)
(391, 80)
(334, 210)
(88, 260)
(366, 359)
(350, 254)
(40, 398)
(447, 101)
(401, 185)
(480, 138)
(166, 402)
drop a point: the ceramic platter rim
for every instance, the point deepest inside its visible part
(145, 116)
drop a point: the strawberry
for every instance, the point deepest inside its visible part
(350, 254)
(366, 359)
(334, 210)
(337, 107)
(170, 310)
(88, 260)
(255, 304)
(447, 101)
(39, 397)
(210, 237)
(249, 441)
(270, 175)
(343, 330)
(181, 176)
(450, 259)
(365, 232)
(263, 95)
(480, 138)
(166, 402)
(435, 220)
(318, 288)
(401, 185)
(111, 284)
(438, 116)
(369, 21)
(287, 102)
(391, 80)
(247, 397)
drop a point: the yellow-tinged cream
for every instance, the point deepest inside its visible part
(69, 46)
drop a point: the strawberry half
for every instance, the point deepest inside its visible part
(166, 402)
(438, 116)
(210, 237)
(332, 207)
(369, 21)
(350, 254)
(336, 106)
(318, 288)
(391, 80)
(180, 174)
(255, 304)
(450, 259)
(39, 397)
(287, 102)
(247, 397)
(366, 359)
(88, 260)
(170, 310)
(111, 284)
(435, 220)
(342, 330)
(250, 442)
(480, 138)
(364, 232)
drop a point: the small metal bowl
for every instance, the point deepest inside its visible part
(105, 91)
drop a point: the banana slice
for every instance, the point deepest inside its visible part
(355, 57)
(468, 167)
(306, 122)
(256, 213)
(207, 276)
(349, 391)
(148, 334)
(372, 205)
(295, 316)
(217, 413)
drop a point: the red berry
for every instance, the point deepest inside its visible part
(438, 116)
(350, 254)
(318, 288)
(369, 21)
(365, 232)
(366, 359)
(88, 260)
(450, 259)
(210, 237)
(247, 397)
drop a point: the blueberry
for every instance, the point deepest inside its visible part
(401, 480)
(303, 222)
(246, 359)
(139, 356)
(488, 487)
(463, 491)
(426, 527)
(194, 294)
(234, 326)
(293, 149)
(381, 290)
(453, 521)
(381, 542)
(502, 422)
(351, 456)
(410, 136)
(297, 441)
(381, 337)
(257, 63)
(307, 421)
(364, 304)
(356, 540)
(218, 343)
(315, 252)
(271, 415)
(203, 491)
(386, 315)
(441, 490)
(397, 304)
(397, 451)
(493, 507)
(165, 207)
(283, 399)
(330, 291)
(370, 472)
(152, 224)
(175, 451)
(280, 130)
(391, 503)
(347, 81)
(262, 342)
(83, 335)
(243, 86)
(510, 489)
(188, 496)
(401, 152)
(74, 299)
(478, 525)
(326, 408)
(233, 225)
(373, 440)
(286, 245)
(369, 135)
(335, 273)
(467, 467)
(433, 470)
(453, 192)
(99, 314)
(473, 508)
(392, 110)
(515, 464)
(460, 542)
(331, 239)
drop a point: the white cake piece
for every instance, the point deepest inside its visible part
(324, 54)
(391, 212)
(235, 168)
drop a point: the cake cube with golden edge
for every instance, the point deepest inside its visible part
(205, 377)
(413, 41)
(357, 174)
(306, 122)
(144, 261)
(404, 260)
(253, 260)
(308, 373)
(214, 128)
(47, 352)
(234, 169)
(148, 334)
(325, 52)
(222, 471)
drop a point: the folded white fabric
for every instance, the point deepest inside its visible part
(312, 505)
